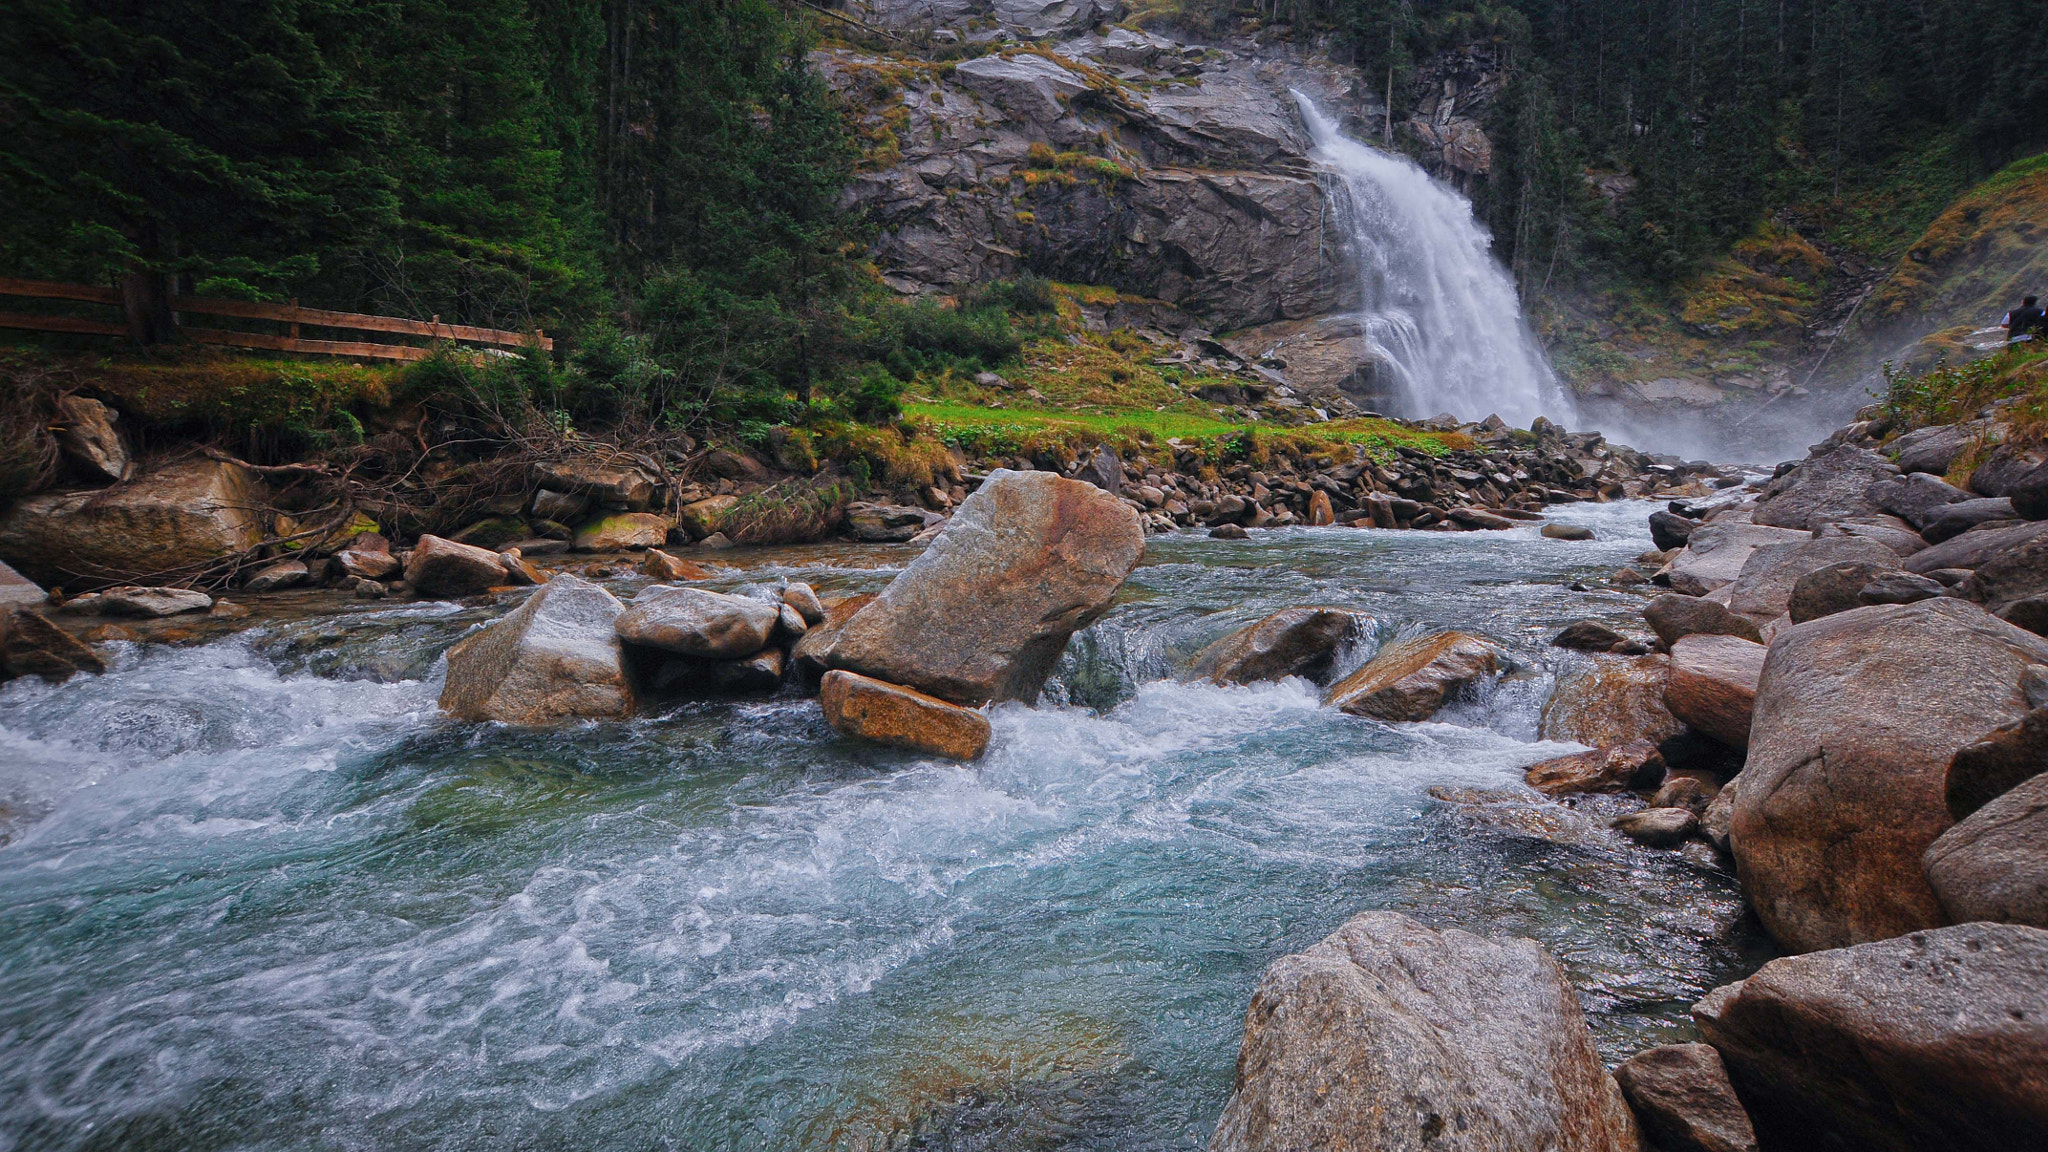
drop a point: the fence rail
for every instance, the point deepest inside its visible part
(288, 314)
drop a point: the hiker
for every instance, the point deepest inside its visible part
(2022, 322)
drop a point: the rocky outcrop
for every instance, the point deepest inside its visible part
(1855, 584)
(902, 717)
(555, 657)
(1681, 1094)
(1994, 865)
(698, 622)
(1962, 516)
(1617, 769)
(1917, 498)
(174, 521)
(1715, 555)
(438, 567)
(1613, 701)
(872, 523)
(1827, 486)
(986, 610)
(1972, 549)
(1713, 685)
(1931, 1040)
(1300, 642)
(1388, 1034)
(2017, 572)
(1857, 717)
(620, 483)
(1411, 679)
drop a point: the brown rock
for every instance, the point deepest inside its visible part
(1688, 792)
(903, 717)
(18, 591)
(621, 483)
(439, 567)
(1411, 679)
(1712, 685)
(555, 657)
(1763, 592)
(1613, 701)
(1615, 769)
(272, 577)
(1319, 510)
(701, 518)
(668, 569)
(1588, 636)
(1716, 552)
(697, 622)
(1857, 718)
(85, 430)
(1567, 532)
(800, 596)
(1681, 1094)
(622, 531)
(519, 571)
(174, 520)
(366, 564)
(809, 652)
(1986, 769)
(1973, 548)
(1292, 642)
(1659, 827)
(1994, 864)
(32, 646)
(873, 523)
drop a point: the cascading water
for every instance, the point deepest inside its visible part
(1441, 315)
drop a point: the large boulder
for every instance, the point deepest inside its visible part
(1994, 865)
(1389, 1035)
(617, 482)
(872, 523)
(1674, 616)
(1669, 530)
(1917, 499)
(85, 430)
(1936, 448)
(1857, 717)
(1681, 1094)
(1634, 765)
(2004, 758)
(1934, 1040)
(439, 567)
(808, 654)
(1964, 515)
(622, 531)
(174, 521)
(1411, 679)
(1839, 587)
(2009, 466)
(986, 610)
(1611, 701)
(1832, 485)
(145, 603)
(1716, 553)
(555, 657)
(1713, 684)
(1889, 531)
(1300, 642)
(32, 646)
(2014, 573)
(1973, 548)
(1763, 591)
(698, 622)
(904, 717)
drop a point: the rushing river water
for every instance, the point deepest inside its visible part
(259, 897)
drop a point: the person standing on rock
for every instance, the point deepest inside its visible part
(2022, 322)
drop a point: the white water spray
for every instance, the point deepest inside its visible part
(1441, 315)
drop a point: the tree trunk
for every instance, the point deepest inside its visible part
(146, 301)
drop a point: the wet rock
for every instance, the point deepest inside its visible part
(985, 612)
(622, 531)
(1973, 548)
(1838, 588)
(1763, 592)
(145, 603)
(368, 589)
(439, 567)
(1567, 532)
(798, 595)
(1713, 683)
(790, 623)
(1617, 769)
(1588, 636)
(668, 569)
(1857, 718)
(902, 717)
(1670, 531)
(1682, 1097)
(1959, 518)
(227, 610)
(492, 532)
(1229, 532)
(555, 657)
(283, 574)
(18, 591)
(1904, 1045)
(2014, 573)
(1994, 864)
(701, 518)
(808, 653)
(366, 564)
(1715, 555)
(1675, 616)
(1411, 679)
(1480, 518)
(1832, 485)
(1688, 792)
(518, 571)
(1659, 827)
(1320, 512)
(617, 483)
(1898, 588)
(1388, 1034)
(181, 518)
(2000, 761)
(717, 542)
(1917, 498)
(697, 622)
(883, 523)
(1614, 701)
(748, 675)
(1300, 642)
(32, 646)
(85, 431)
(1889, 531)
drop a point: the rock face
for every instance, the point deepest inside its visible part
(439, 567)
(555, 657)
(698, 622)
(984, 613)
(1715, 555)
(1388, 1035)
(1763, 591)
(1857, 717)
(1932, 1040)
(1300, 642)
(86, 432)
(1681, 1094)
(1411, 679)
(1616, 701)
(174, 520)
(32, 646)
(1615, 769)
(1986, 769)
(1713, 685)
(1994, 865)
(1676, 616)
(892, 714)
(1832, 485)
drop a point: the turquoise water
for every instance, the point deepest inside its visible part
(259, 897)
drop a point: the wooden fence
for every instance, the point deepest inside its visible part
(290, 315)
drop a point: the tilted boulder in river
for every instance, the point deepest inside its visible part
(985, 612)
(1411, 679)
(1617, 769)
(174, 520)
(1390, 1035)
(698, 622)
(1933, 1040)
(1857, 717)
(555, 657)
(1674, 616)
(1713, 685)
(32, 646)
(1613, 701)
(1300, 642)
(1994, 865)
(439, 567)
(904, 717)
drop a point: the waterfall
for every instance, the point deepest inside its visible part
(1440, 314)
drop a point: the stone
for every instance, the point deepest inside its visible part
(668, 569)
(1712, 685)
(985, 611)
(2029, 494)
(808, 653)
(1391, 1035)
(1682, 1098)
(1936, 1039)
(1669, 530)
(1320, 512)
(622, 531)
(32, 646)
(365, 564)
(1300, 642)
(1831, 485)
(790, 622)
(1763, 591)
(2017, 572)
(519, 572)
(85, 431)
(1688, 792)
(1480, 518)
(555, 657)
(1719, 818)
(1411, 679)
(1898, 588)
(181, 519)
(1999, 761)
(1673, 617)
(872, 523)
(1615, 769)
(272, 577)
(1229, 532)
(150, 603)
(439, 567)
(1935, 449)
(2013, 461)
(697, 622)
(1916, 498)
(1659, 827)
(701, 518)
(1612, 701)
(748, 675)
(1103, 469)
(1857, 718)
(493, 532)
(2030, 613)
(1973, 548)
(1838, 588)
(1716, 553)
(1993, 865)
(1959, 518)
(560, 507)
(717, 542)
(616, 482)
(1889, 531)
(901, 717)
(1567, 532)
(1588, 636)
(368, 589)
(18, 591)
(799, 595)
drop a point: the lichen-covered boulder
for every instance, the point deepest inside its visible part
(555, 657)
(622, 531)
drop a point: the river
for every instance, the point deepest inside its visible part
(258, 896)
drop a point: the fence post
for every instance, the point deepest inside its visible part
(295, 323)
